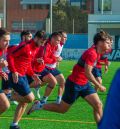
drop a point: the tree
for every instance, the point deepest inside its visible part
(63, 15)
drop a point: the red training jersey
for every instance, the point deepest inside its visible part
(89, 57)
(37, 67)
(20, 59)
(49, 55)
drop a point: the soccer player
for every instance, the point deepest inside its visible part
(97, 70)
(52, 68)
(38, 65)
(4, 42)
(51, 59)
(25, 36)
(60, 77)
(20, 66)
(77, 83)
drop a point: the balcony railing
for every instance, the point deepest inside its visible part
(100, 19)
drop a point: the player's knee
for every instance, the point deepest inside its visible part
(30, 98)
(53, 83)
(61, 82)
(51, 86)
(4, 107)
(24, 105)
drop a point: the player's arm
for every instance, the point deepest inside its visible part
(88, 73)
(11, 65)
(35, 77)
(89, 63)
(3, 75)
(49, 58)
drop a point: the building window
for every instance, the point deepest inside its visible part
(36, 6)
(27, 25)
(81, 3)
(107, 5)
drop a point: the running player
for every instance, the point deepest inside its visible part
(20, 66)
(4, 42)
(52, 68)
(97, 70)
(38, 65)
(77, 83)
(25, 36)
(51, 59)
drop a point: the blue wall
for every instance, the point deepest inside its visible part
(15, 39)
(77, 41)
(74, 47)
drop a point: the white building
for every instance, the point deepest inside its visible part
(107, 17)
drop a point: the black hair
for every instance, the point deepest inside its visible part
(3, 32)
(41, 34)
(101, 36)
(24, 32)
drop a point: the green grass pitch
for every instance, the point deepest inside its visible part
(78, 117)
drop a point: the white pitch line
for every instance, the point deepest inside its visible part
(53, 120)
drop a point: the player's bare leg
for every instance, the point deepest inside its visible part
(95, 102)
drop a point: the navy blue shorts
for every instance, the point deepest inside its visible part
(22, 87)
(97, 72)
(40, 74)
(5, 84)
(1, 91)
(54, 72)
(73, 91)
